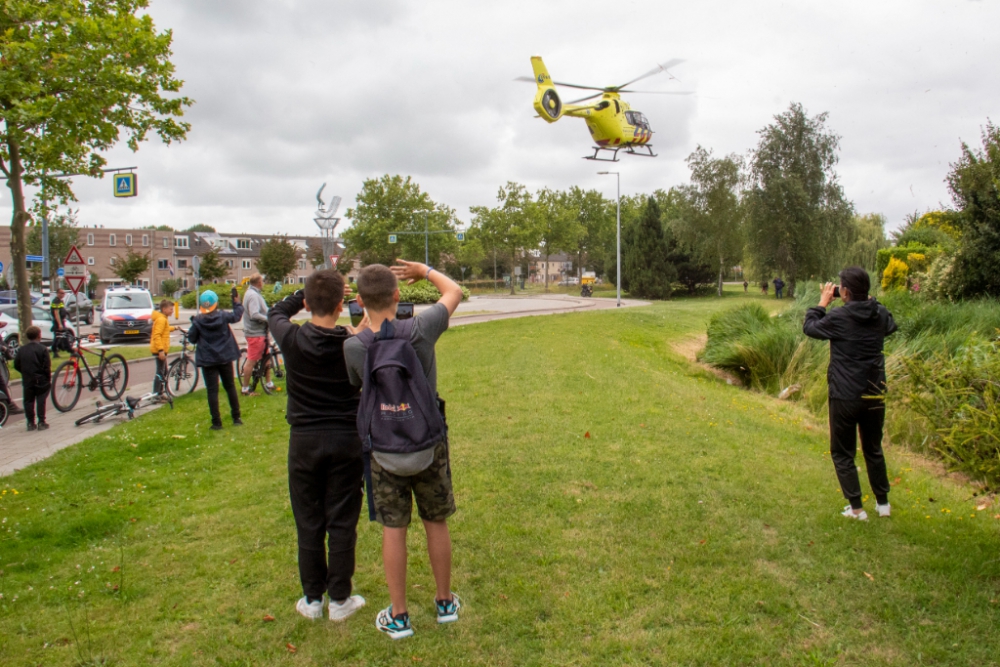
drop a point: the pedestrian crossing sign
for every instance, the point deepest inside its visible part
(126, 185)
(392, 238)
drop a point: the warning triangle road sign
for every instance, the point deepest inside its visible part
(74, 257)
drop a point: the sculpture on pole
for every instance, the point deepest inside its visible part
(327, 221)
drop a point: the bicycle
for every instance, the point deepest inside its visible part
(182, 374)
(6, 353)
(127, 406)
(272, 359)
(67, 381)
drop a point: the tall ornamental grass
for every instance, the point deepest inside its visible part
(943, 368)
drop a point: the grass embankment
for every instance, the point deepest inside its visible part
(617, 506)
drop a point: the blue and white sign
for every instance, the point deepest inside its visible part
(60, 272)
(34, 258)
(126, 185)
(460, 236)
(1, 267)
(392, 238)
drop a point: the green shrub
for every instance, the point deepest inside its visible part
(901, 253)
(424, 292)
(895, 275)
(270, 296)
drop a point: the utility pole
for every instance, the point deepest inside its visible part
(618, 218)
(427, 237)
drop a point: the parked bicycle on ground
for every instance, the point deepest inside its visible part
(7, 406)
(67, 382)
(182, 374)
(128, 406)
(272, 360)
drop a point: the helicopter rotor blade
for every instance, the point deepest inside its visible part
(529, 79)
(659, 68)
(584, 99)
(658, 92)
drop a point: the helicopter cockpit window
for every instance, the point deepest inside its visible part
(637, 119)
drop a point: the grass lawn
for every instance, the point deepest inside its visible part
(617, 506)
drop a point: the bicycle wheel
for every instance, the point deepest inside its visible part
(113, 376)
(4, 372)
(66, 386)
(99, 414)
(262, 378)
(3, 413)
(277, 363)
(242, 361)
(182, 377)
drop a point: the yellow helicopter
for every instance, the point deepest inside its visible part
(612, 123)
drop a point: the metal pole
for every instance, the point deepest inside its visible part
(46, 287)
(494, 268)
(427, 238)
(618, 216)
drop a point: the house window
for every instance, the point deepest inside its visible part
(180, 242)
(145, 240)
(246, 264)
(185, 283)
(166, 242)
(112, 261)
(229, 263)
(161, 264)
(145, 284)
(243, 244)
(182, 264)
(90, 239)
(90, 261)
(112, 240)
(302, 265)
(128, 240)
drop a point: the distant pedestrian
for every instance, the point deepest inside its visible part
(779, 285)
(35, 366)
(255, 331)
(763, 287)
(216, 352)
(159, 342)
(746, 286)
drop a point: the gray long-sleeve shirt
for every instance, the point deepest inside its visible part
(254, 313)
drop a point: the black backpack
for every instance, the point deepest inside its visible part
(398, 414)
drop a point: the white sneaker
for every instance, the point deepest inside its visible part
(341, 610)
(883, 510)
(311, 610)
(269, 385)
(849, 513)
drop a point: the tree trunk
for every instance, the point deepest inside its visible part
(513, 265)
(547, 255)
(721, 261)
(19, 220)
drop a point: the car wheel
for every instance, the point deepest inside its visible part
(89, 319)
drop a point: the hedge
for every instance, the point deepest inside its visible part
(902, 254)
(420, 292)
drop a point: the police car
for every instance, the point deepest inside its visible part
(126, 315)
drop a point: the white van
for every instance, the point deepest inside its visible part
(126, 315)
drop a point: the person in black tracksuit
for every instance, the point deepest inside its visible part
(35, 366)
(216, 352)
(856, 379)
(325, 467)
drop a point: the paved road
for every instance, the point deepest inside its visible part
(18, 448)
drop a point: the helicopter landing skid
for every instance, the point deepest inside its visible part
(630, 149)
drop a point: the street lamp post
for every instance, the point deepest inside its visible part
(618, 223)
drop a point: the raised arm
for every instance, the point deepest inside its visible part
(279, 318)
(411, 272)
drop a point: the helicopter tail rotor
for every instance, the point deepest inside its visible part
(547, 102)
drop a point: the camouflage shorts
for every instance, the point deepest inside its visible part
(393, 494)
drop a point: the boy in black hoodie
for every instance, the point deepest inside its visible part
(35, 366)
(325, 467)
(216, 352)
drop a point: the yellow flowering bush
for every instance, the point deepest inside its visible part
(895, 275)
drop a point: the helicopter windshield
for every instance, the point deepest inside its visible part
(636, 119)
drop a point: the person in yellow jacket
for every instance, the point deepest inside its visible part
(159, 342)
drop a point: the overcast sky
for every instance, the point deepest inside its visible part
(292, 93)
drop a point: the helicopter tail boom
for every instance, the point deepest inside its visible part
(547, 102)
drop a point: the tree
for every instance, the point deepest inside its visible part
(866, 236)
(74, 76)
(596, 217)
(131, 266)
(212, 267)
(797, 214)
(201, 227)
(974, 182)
(558, 223)
(711, 224)
(278, 258)
(159, 228)
(646, 273)
(169, 286)
(396, 204)
(510, 228)
(63, 235)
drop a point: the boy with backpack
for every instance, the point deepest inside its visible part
(35, 366)
(403, 431)
(324, 452)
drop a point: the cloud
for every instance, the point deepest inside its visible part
(293, 93)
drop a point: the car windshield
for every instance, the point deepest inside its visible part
(134, 300)
(40, 314)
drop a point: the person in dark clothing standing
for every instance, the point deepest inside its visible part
(216, 352)
(35, 366)
(325, 467)
(779, 285)
(856, 378)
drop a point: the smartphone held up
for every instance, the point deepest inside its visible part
(404, 311)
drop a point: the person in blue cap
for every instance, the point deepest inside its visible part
(216, 352)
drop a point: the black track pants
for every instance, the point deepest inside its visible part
(847, 419)
(34, 403)
(325, 472)
(212, 375)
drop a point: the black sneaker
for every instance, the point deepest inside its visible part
(237, 422)
(216, 427)
(32, 427)
(42, 426)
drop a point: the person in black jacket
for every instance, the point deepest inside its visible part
(35, 366)
(325, 467)
(856, 378)
(216, 352)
